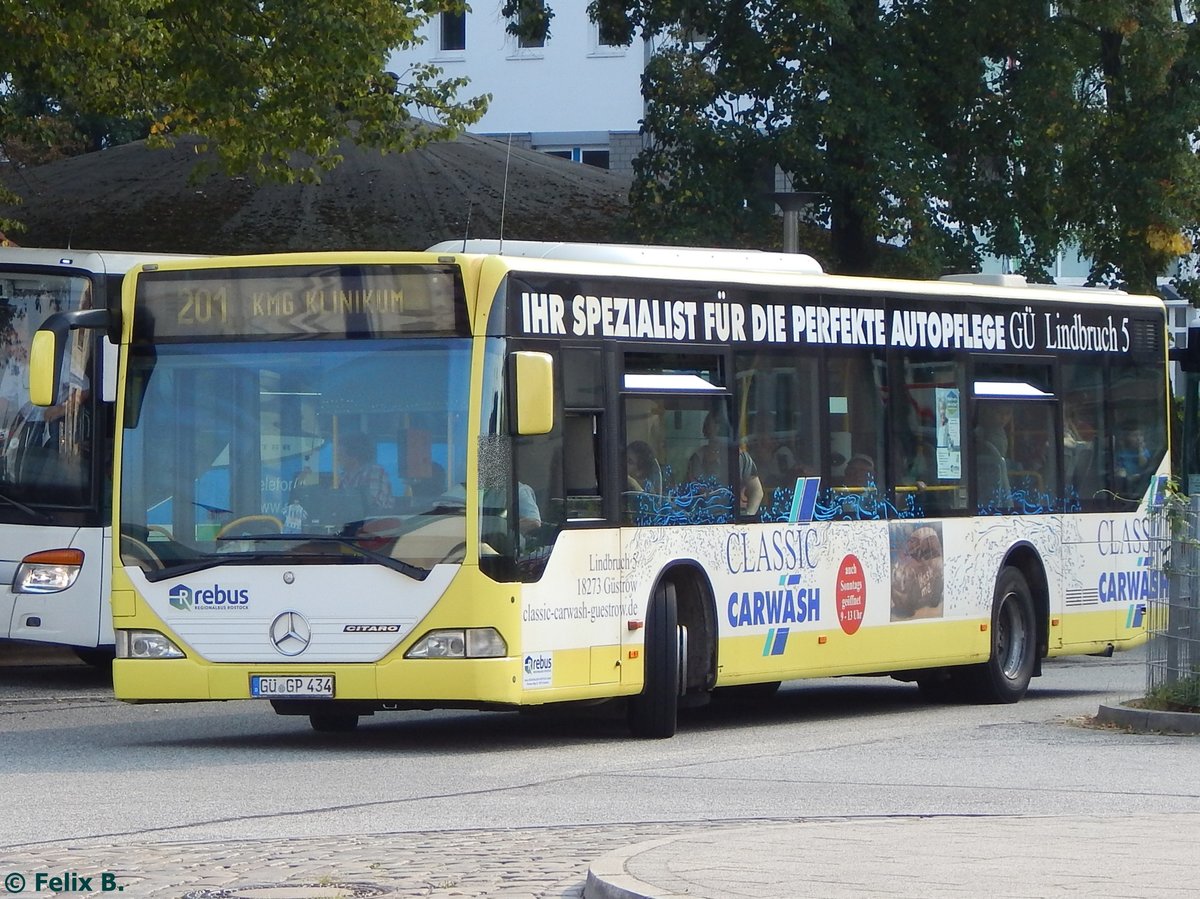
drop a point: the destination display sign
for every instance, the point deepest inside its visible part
(716, 314)
(299, 301)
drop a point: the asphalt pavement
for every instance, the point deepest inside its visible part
(1114, 855)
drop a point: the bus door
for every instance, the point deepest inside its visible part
(571, 563)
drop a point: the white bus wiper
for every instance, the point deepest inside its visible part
(413, 571)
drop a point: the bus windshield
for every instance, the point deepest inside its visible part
(324, 451)
(45, 453)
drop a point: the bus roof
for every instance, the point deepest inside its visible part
(631, 254)
(100, 261)
(760, 266)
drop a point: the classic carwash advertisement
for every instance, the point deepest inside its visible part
(773, 583)
(788, 584)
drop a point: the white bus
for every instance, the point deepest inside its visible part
(349, 483)
(56, 463)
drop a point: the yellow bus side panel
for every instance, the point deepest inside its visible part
(1084, 632)
(831, 652)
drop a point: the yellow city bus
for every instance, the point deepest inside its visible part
(504, 476)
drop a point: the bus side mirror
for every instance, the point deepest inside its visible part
(533, 383)
(45, 362)
(50, 345)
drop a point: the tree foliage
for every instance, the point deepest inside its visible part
(272, 85)
(951, 128)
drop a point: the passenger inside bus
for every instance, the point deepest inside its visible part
(708, 462)
(1078, 446)
(643, 471)
(859, 471)
(1131, 458)
(991, 454)
(360, 471)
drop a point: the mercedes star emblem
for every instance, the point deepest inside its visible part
(290, 633)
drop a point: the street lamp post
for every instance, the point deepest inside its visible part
(793, 203)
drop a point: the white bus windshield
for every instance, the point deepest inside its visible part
(45, 453)
(318, 451)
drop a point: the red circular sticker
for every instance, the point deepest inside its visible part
(851, 594)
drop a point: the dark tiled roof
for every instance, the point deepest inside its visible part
(137, 199)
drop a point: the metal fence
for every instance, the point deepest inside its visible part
(1173, 604)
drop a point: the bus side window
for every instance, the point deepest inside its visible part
(580, 464)
(777, 416)
(927, 437)
(1085, 447)
(1138, 438)
(1034, 470)
(857, 387)
(576, 468)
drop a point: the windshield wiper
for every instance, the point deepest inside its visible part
(28, 510)
(413, 571)
(206, 562)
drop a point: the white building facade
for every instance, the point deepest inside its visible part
(574, 95)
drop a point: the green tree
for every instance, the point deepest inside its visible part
(834, 92)
(951, 128)
(272, 85)
(1130, 170)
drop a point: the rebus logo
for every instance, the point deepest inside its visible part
(180, 597)
(215, 597)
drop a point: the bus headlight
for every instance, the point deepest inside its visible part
(48, 571)
(146, 645)
(460, 643)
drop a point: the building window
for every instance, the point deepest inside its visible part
(454, 31)
(607, 36)
(532, 24)
(588, 156)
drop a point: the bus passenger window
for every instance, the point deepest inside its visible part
(777, 416)
(855, 442)
(927, 436)
(580, 467)
(993, 489)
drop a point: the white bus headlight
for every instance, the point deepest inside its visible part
(146, 645)
(460, 643)
(49, 571)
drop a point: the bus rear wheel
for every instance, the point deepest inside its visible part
(654, 713)
(1005, 676)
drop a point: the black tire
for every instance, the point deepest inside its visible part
(333, 721)
(654, 713)
(1005, 676)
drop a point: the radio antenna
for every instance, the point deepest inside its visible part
(467, 230)
(504, 195)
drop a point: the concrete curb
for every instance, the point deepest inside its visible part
(608, 879)
(1149, 721)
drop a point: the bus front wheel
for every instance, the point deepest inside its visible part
(654, 712)
(1005, 676)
